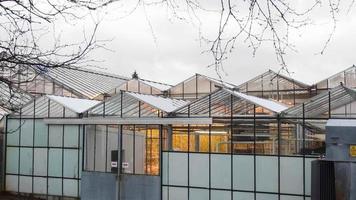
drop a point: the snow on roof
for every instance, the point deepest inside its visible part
(74, 104)
(161, 103)
(160, 86)
(268, 104)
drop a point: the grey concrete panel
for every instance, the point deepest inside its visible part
(97, 185)
(140, 187)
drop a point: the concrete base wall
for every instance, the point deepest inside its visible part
(140, 187)
(97, 185)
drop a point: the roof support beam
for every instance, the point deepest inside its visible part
(118, 120)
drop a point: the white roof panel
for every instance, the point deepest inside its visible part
(268, 104)
(161, 103)
(74, 104)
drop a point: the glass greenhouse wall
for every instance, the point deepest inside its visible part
(43, 159)
(225, 145)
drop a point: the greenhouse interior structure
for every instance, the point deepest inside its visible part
(83, 134)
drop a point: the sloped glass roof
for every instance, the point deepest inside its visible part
(56, 106)
(323, 103)
(347, 77)
(12, 99)
(88, 83)
(141, 86)
(220, 102)
(197, 86)
(271, 81)
(131, 104)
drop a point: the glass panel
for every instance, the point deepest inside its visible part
(140, 147)
(190, 88)
(127, 148)
(55, 162)
(12, 159)
(198, 194)
(243, 172)
(285, 197)
(267, 173)
(89, 147)
(243, 196)
(113, 138)
(70, 188)
(27, 132)
(70, 165)
(266, 197)
(71, 135)
(55, 135)
(176, 193)
(40, 162)
(198, 170)
(25, 184)
(100, 148)
(12, 183)
(220, 195)
(165, 168)
(164, 193)
(220, 171)
(39, 185)
(178, 169)
(55, 186)
(152, 151)
(26, 161)
(291, 175)
(40, 133)
(13, 129)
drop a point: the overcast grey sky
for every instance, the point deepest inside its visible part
(169, 50)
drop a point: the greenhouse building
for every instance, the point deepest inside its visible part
(201, 139)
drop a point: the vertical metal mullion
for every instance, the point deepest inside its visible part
(279, 156)
(329, 99)
(106, 148)
(94, 164)
(84, 151)
(183, 96)
(104, 106)
(33, 143)
(196, 86)
(231, 146)
(303, 144)
(5, 151)
(161, 159)
(188, 158)
(48, 129)
(19, 161)
(119, 154)
(294, 93)
(210, 146)
(254, 152)
(146, 151)
(121, 98)
(63, 126)
(79, 147)
(139, 108)
(134, 149)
